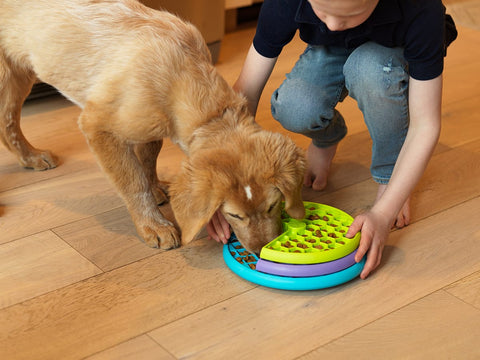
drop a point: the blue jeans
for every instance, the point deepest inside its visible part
(374, 75)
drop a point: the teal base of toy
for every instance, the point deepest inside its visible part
(244, 270)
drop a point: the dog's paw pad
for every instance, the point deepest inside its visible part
(163, 237)
(41, 160)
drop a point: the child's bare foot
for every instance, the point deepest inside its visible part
(319, 161)
(403, 216)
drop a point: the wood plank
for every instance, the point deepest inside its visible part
(421, 325)
(108, 240)
(56, 131)
(467, 289)
(441, 188)
(464, 49)
(140, 348)
(460, 123)
(467, 13)
(169, 161)
(64, 199)
(38, 264)
(283, 325)
(233, 4)
(461, 77)
(101, 312)
(467, 82)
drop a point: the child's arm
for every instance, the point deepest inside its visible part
(424, 130)
(253, 77)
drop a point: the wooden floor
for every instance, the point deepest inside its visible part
(76, 282)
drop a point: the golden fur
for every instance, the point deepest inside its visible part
(140, 75)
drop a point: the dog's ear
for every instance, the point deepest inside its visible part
(289, 175)
(193, 200)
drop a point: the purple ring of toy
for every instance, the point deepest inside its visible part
(307, 270)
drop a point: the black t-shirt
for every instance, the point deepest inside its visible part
(421, 27)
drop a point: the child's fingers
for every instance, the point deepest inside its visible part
(215, 230)
(374, 256)
(363, 247)
(212, 233)
(365, 240)
(223, 227)
(218, 228)
(355, 227)
(371, 263)
(226, 232)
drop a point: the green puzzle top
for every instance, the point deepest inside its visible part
(318, 237)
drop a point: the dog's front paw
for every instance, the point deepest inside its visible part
(39, 160)
(160, 235)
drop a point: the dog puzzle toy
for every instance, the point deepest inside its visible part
(318, 238)
(312, 253)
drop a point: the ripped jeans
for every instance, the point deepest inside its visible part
(374, 75)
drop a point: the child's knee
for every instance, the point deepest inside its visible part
(299, 108)
(288, 112)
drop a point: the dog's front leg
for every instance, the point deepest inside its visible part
(147, 154)
(15, 84)
(120, 163)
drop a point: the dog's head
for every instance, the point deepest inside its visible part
(246, 175)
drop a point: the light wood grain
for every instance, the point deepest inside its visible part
(56, 131)
(141, 348)
(467, 289)
(108, 240)
(111, 308)
(459, 125)
(467, 13)
(44, 205)
(38, 264)
(426, 337)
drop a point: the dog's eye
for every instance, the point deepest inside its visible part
(236, 216)
(272, 207)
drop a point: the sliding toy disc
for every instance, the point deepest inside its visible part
(319, 237)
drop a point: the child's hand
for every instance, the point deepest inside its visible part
(375, 228)
(218, 228)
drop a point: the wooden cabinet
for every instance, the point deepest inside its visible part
(235, 4)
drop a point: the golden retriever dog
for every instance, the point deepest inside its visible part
(140, 75)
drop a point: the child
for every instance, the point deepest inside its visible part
(387, 55)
